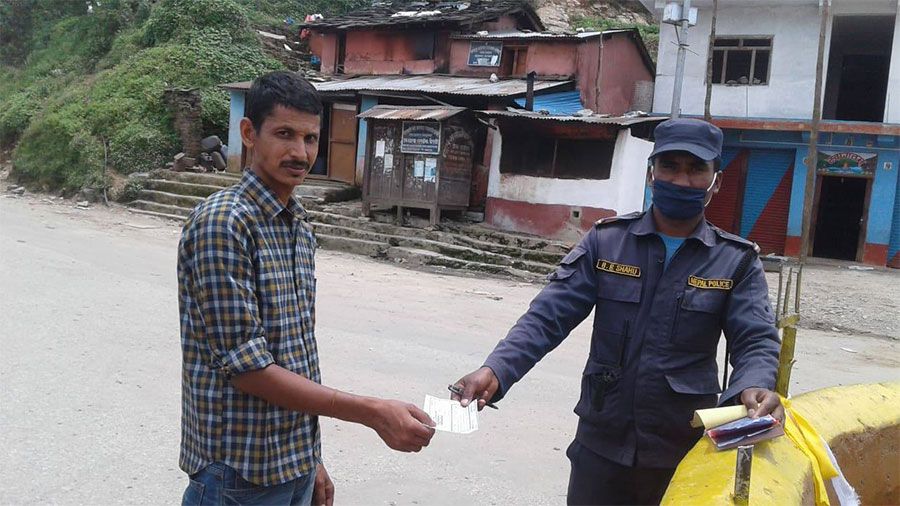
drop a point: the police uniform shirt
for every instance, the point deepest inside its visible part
(652, 359)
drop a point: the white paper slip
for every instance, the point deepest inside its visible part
(450, 416)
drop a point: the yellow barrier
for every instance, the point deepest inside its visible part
(861, 424)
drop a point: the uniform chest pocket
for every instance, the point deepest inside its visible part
(697, 324)
(618, 300)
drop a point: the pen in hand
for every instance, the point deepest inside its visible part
(458, 391)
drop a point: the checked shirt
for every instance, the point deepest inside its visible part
(246, 291)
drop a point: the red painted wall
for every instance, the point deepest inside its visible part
(324, 45)
(875, 254)
(545, 58)
(545, 220)
(621, 67)
(588, 67)
(372, 52)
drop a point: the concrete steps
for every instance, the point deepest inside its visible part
(340, 225)
(156, 207)
(446, 249)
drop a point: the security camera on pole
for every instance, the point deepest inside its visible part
(682, 17)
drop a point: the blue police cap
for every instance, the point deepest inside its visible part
(701, 139)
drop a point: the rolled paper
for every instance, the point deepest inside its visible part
(713, 417)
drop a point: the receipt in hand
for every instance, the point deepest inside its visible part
(450, 416)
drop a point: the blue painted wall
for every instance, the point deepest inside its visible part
(881, 228)
(235, 146)
(894, 247)
(365, 104)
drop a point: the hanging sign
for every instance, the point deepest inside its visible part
(847, 163)
(484, 53)
(421, 137)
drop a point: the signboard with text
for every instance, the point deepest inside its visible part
(421, 138)
(484, 53)
(846, 163)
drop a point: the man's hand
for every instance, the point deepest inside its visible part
(481, 384)
(323, 492)
(762, 402)
(403, 426)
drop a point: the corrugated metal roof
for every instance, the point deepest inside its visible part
(563, 103)
(537, 35)
(477, 86)
(597, 120)
(411, 113)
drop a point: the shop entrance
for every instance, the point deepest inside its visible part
(840, 218)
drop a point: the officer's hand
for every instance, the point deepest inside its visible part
(762, 402)
(481, 384)
(402, 426)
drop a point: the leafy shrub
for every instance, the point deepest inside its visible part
(133, 189)
(15, 116)
(171, 19)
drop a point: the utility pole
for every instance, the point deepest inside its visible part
(707, 114)
(682, 50)
(812, 154)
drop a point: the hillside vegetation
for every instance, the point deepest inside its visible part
(81, 93)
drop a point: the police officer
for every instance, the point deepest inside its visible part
(665, 284)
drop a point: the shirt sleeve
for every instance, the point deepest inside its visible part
(565, 302)
(225, 289)
(752, 336)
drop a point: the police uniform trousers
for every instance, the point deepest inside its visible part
(595, 480)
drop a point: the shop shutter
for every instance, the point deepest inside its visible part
(767, 198)
(723, 211)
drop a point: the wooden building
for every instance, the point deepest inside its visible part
(420, 157)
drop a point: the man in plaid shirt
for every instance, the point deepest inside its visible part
(251, 392)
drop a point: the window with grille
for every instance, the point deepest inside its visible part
(742, 61)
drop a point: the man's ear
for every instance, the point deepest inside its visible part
(649, 175)
(248, 133)
(718, 184)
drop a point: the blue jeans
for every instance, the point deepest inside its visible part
(220, 485)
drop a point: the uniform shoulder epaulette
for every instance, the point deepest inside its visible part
(735, 238)
(612, 219)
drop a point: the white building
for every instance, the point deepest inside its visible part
(764, 74)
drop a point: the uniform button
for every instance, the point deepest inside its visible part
(660, 260)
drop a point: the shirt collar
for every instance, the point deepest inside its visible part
(646, 226)
(266, 199)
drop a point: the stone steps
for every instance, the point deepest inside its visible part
(534, 255)
(340, 225)
(181, 187)
(418, 258)
(156, 207)
(188, 202)
(445, 248)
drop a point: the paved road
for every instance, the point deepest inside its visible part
(90, 397)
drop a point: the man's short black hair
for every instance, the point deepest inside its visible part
(286, 89)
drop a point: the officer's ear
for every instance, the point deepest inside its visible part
(650, 172)
(718, 184)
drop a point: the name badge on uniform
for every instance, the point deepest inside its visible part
(620, 269)
(710, 284)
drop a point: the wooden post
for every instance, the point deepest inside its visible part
(812, 154)
(707, 115)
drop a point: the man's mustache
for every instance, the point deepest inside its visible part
(295, 164)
